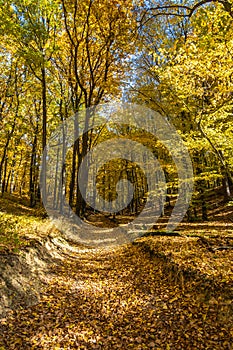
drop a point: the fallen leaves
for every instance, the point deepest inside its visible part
(120, 299)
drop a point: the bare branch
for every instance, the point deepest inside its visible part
(164, 10)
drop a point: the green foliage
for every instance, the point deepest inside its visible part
(9, 236)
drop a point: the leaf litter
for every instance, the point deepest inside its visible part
(130, 297)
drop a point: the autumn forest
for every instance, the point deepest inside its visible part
(62, 64)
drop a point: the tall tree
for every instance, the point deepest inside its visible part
(98, 39)
(32, 27)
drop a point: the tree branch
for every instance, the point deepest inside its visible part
(189, 11)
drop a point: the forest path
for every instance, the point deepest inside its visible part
(115, 299)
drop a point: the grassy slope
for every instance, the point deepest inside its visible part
(16, 221)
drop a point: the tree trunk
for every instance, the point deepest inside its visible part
(4, 176)
(32, 184)
(44, 133)
(225, 170)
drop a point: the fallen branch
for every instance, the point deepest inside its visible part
(163, 233)
(211, 249)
